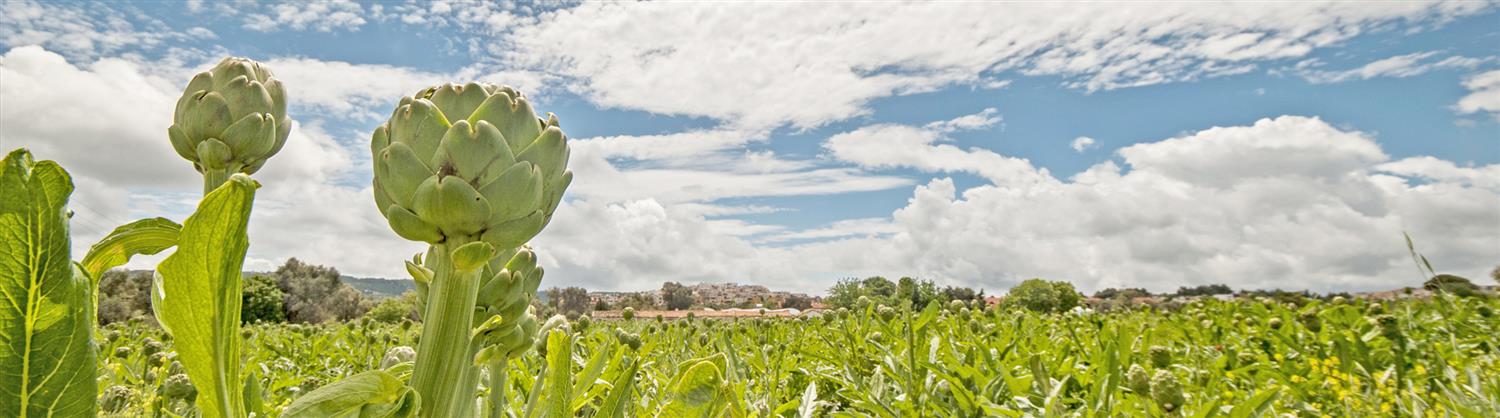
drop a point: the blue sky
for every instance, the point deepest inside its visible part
(1258, 144)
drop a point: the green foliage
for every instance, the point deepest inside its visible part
(1451, 284)
(1044, 296)
(676, 297)
(261, 301)
(1204, 290)
(394, 310)
(314, 293)
(125, 295)
(199, 302)
(570, 301)
(46, 324)
(846, 293)
(372, 394)
(920, 363)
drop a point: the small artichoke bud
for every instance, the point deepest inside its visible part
(151, 347)
(178, 386)
(955, 305)
(231, 118)
(876, 336)
(156, 359)
(1390, 327)
(557, 322)
(1138, 380)
(1167, 391)
(886, 313)
(397, 355)
(862, 302)
(311, 383)
(1311, 321)
(582, 324)
(116, 399)
(471, 161)
(175, 368)
(112, 335)
(122, 352)
(628, 313)
(1274, 323)
(1161, 357)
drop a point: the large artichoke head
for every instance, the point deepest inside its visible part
(231, 118)
(472, 162)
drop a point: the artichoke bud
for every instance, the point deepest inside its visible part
(1139, 382)
(238, 104)
(469, 160)
(1167, 391)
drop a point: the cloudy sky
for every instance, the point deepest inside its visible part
(1263, 145)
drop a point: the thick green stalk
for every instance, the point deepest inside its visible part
(212, 178)
(499, 379)
(443, 354)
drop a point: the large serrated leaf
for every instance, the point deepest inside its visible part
(47, 354)
(197, 297)
(372, 394)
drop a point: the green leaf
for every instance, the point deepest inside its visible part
(696, 392)
(619, 394)
(809, 405)
(559, 386)
(197, 297)
(1255, 406)
(372, 394)
(47, 354)
(146, 236)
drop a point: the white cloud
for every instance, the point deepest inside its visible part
(1289, 202)
(345, 90)
(859, 227)
(893, 146)
(321, 16)
(75, 32)
(1399, 66)
(1484, 94)
(811, 64)
(1081, 143)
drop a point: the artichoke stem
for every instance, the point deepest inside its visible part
(499, 378)
(213, 178)
(443, 354)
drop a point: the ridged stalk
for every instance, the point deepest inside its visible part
(212, 179)
(443, 354)
(499, 374)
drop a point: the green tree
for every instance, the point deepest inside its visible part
(844, 293)
(261, 301)
(1126, 293)
(1044, 296)
(313, 293)
(124, 295)
(1452, 284)
(1205, 290)
(878, 288)
(393, 310)
(676, 296)
(572, 302)
(798, 302)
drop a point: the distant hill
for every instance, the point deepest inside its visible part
(380, 288)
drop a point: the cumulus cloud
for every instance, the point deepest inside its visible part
(770, 66)
(1484, 94)
(895, 145)
(1288, 202)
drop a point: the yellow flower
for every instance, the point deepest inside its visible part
(1280, 357)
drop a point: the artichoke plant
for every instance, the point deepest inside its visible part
(230, 119)
(472, 171)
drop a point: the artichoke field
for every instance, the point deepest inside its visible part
(926, 363)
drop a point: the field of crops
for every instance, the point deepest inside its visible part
(1344, 358)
